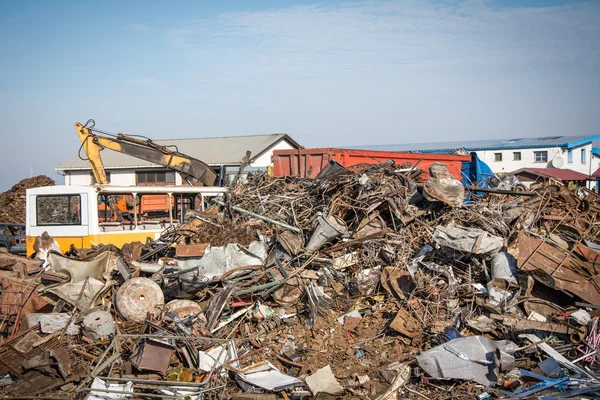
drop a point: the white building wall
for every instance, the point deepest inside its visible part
(118, 177)
(265, 159)
(595, 163)
(179, 179)
(78, 178)
(508, 164)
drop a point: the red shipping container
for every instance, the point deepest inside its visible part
(307, 163)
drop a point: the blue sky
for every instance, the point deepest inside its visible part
(328, 73)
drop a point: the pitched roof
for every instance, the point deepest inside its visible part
(596, 151)
(567, 142)
(597, 173)
(213, 151)
(555, 173)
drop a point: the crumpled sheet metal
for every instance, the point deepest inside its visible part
(69, 292)
(52, 322)
(407, 325)
(265, 375)
(323, 381)
(119, 391)
(400, 380)
(504, 266)
(50, 362)
(78, 270)
(559, 269)
(318, 303)
(468, 240)
(367, 280)
(215, 358)
(218, 260)
(397, 282)
(443, 187)
(217, 303)
(43, 245)
(473, 358)
(291, 242)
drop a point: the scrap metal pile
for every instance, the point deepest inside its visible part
(362, 284)
(12, 202)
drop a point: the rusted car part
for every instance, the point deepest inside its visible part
(561, 269)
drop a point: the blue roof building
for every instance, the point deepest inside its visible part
(564, 142)
(507, 155)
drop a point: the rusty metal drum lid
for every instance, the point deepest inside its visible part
(139, 296)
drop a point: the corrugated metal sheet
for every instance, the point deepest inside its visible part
(213, 151)
(492, 144)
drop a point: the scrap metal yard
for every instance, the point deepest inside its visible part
(300, 200)
(370, 282)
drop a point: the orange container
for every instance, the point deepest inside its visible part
(307, 163)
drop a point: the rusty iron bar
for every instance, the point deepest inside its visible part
(261, 217)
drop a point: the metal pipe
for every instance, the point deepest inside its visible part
(158, 396)
(105, 364)
(154, 336)
(135, 214)
(266, 219)
(170, 209)
(499, 191)
(151, 381)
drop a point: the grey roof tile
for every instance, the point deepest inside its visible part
(228, 150)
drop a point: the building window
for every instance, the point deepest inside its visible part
(58, 210)
(570, 156)
(155, 178)
(540, 156)
(94, 178)
(517, 156)
(497, 156)
(583, 154)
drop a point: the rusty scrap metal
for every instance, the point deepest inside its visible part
(558, 268)
(407, 291)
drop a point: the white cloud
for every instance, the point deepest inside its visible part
(402, 33)
(433, 69)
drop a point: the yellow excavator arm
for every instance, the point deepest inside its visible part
(93, 142)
